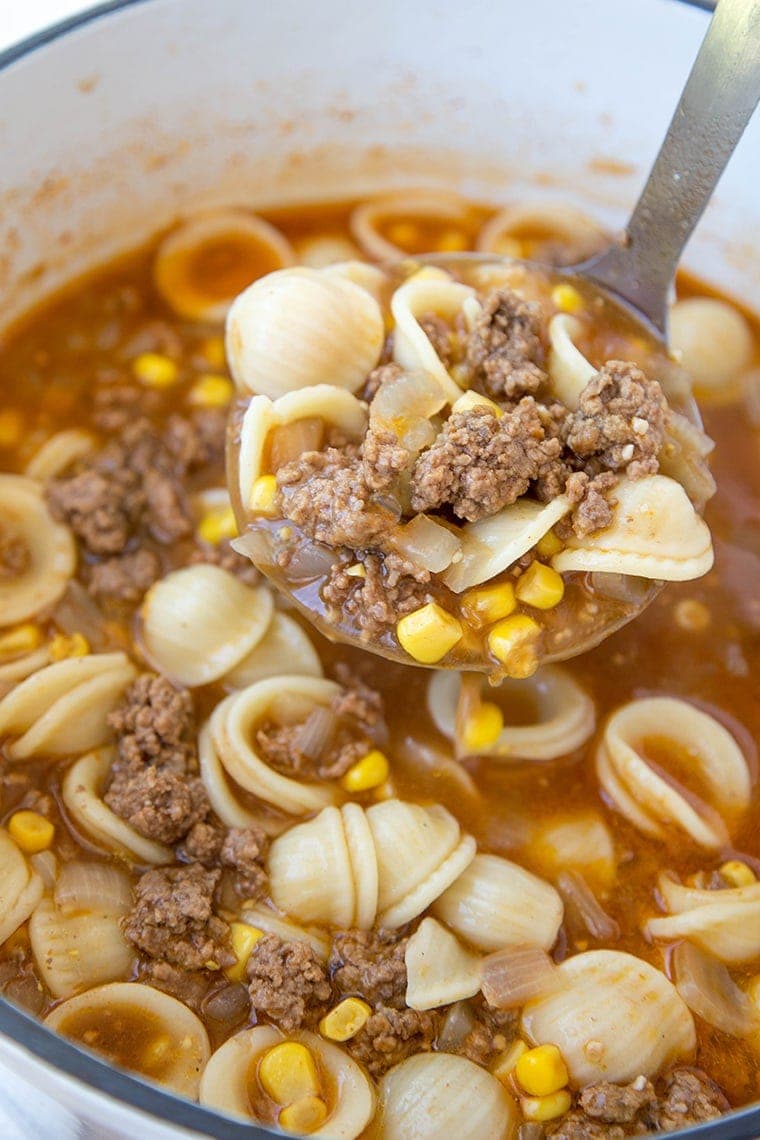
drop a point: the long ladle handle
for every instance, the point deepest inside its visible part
(717, 102)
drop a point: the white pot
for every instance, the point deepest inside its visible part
(112, 126)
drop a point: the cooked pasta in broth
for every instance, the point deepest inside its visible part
(323, 890)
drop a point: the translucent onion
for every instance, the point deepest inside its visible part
(426, 543)
(709, 991)
(458, 1023)
(317, 731)
(582, 900)
(46, 865)
(92, 886)
(515, 976)
(404, 405)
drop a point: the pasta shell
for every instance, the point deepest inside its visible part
(334, 406)
(233, 731)
(20, 888)
(569, 371)
(439, 970)
(371, 221)
(614, 1018)
(420, 852)
(82, 796)
(50, 550)
(174, 1046)
(226, 1081)
(284, 648)
(20, 667)
(563, 713)
(495, 904)
(655, 533)
(299, 327)
(268, 920)
(324, 249)
(58, 453)
(428, 291)
(77, 951)
(63, 708)
(725, 923)
(310, 874)
(198, 623)
(221, 795)
(553, 222)
(432, 1095)
(244, 245)
(490, 545)
(370, 277)
(714, 341)
(654, 804)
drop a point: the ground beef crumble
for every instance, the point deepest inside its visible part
(370, 964)
(155, 723)
(173, 918)
(390, 588)
(689, 1097)
(383, 459)
(505, 350)
(287, 982)
(126, 577)
(439, 334)
(389, 1036)
(244, 850)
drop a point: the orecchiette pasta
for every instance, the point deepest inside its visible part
(200, 622)
(429, 291)
(569, 370)
(439, 1094)
(82, 791)
(266, 919)
(349, 1096)
(175, 1046)
(47, 550)
(20, 887)
(533, 231)
(725, 923)
(63, 708)
(318, 252)
(613, 1017)
(653, 803)
(58, 453)
(284, 648)
(221, 794)
(295, 327)
(439, 969)
(563, 713)
(714, 341)
(495, 903)
(376, 223)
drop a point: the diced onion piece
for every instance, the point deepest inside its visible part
(579, 896)
(316, 732)
(426, 543)
(458, 1023)
(515, 976)
(709, 991)
(97, 887)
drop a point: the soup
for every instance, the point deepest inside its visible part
(317, 888)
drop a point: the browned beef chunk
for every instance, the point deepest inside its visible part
(287, 982)
(689, 1097)
(620, 421)
(505, 350)
(592, 501)
(100, 509)
(244, 850)
(157, 802)
(202, 843)
(439, 335)
(391, 1035)
(390, 589)
(173, 918)
(578, 1126)
(494, 1029)
(155, 723)
(383, 459)
(617, 1104)
(481, 462)
(188, 986)
(125, 577)
(377, 376)
(198, 441)
(371, 965)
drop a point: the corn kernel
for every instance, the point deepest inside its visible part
(287, 1073)
(488, 604)
(21, 639)
(304, 1116)
(218, 525)
(543, 1108)
(154, 370)
(469, 400)
(504, 1065)
(263, 498)
(213, 351)
(210, 391)
(11, 427)
(549, 545)
(403, 233)
(345, 1020)
(356, 571)
(567, 299)
(542, 1071)
(64, 645)
(514, 642)
(32, 831)
(737, 873)
(243, 938)
(427, 634)
(369, 772)
(540, 586)
(483, 728)
(452, 241)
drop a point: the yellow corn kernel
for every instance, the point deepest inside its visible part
(303, 1116)
(488, 604)
(543, 1108)
(369, 772)
(217, 525)
(469, 400)
(243, 938)
(738, 874)
(65, 645)
(514, 642)
(427, 634)
(210, 391)
(213, 352)
(567, 299)
(540, 586)
(11, 427)
(549, 545)
(21, 639)
(287, 1073)
(345, 1020)
(154, 370)
(356, 571)
(263, 498)
(483, 728)
(542, 1071)
(32, 831)
(504, 1065)
(452, 241)
(403, 233)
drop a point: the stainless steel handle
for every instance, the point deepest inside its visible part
(717, 102)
